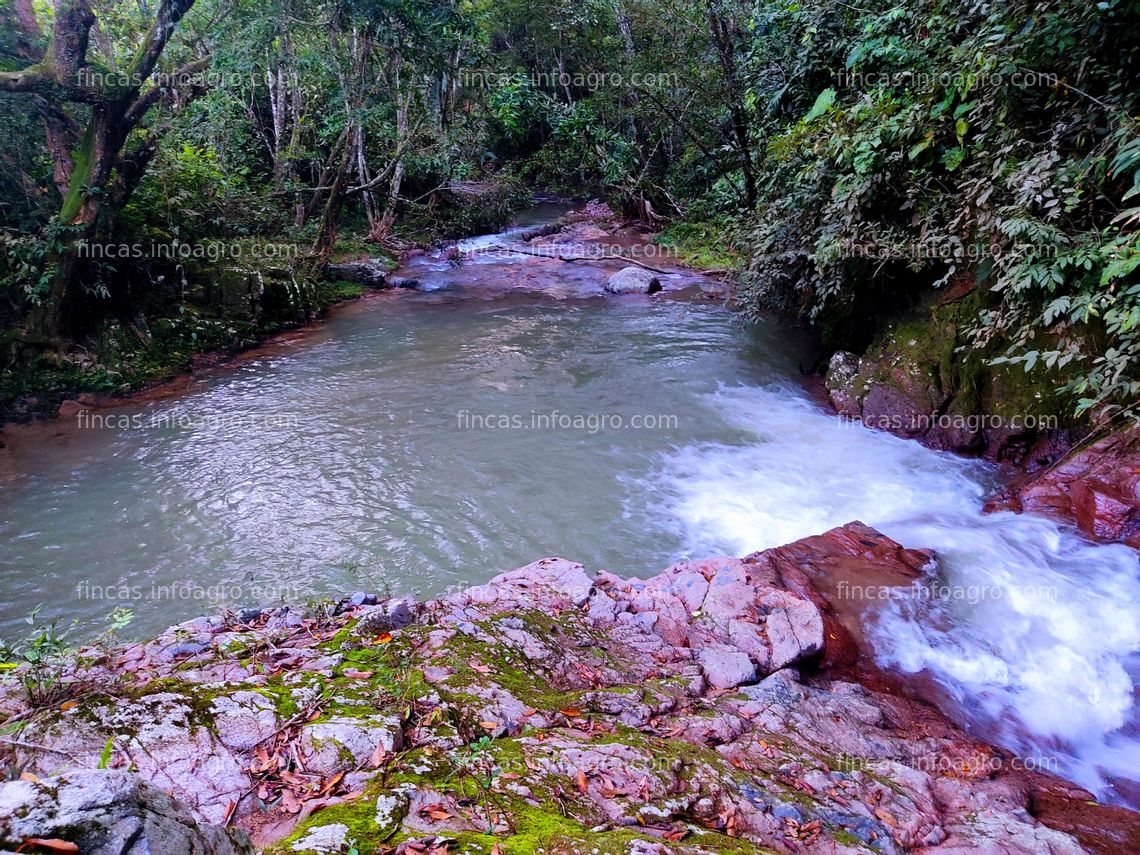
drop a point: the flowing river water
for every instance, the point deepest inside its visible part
(417, 442)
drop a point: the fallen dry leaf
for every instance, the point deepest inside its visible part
(378, 757)
(52, 844)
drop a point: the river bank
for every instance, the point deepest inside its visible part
(716, 707)
(741, 457)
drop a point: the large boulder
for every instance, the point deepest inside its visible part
(107, 812)
(633, 280)
(1097, 486)
(167, 742)
(369, 272)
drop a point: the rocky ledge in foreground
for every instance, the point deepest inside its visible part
(711, 709)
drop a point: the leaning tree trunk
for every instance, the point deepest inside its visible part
(80, 211)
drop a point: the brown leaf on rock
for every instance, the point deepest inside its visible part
(330, 784)
(52, 844)
(436, 811)
(378, 757)
(580, 780)
(886, 817)
(290, 802)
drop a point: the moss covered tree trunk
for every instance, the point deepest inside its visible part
(93, 172)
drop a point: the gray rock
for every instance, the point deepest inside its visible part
(633, 280)
(342, 744)
(108, 812)
(386, 617)
(162, 737)
(181, 649)
(244, 720)
(369, 272)
(403, 282)
(323, 839)
(726, 667)
(840, 382)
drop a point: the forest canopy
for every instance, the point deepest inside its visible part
(847, 161)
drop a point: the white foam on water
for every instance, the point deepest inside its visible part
(1029, 628)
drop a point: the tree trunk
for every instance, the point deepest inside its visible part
(403, 107)
(330, 219)
(721, 32)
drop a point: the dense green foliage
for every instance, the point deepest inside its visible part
(947, 144)
(855, 160)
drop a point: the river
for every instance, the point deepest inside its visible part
(417, 442)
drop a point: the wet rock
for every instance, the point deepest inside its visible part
(369, 272)
(840, 381)
(108, 812)
(404, 282)
(633, 280)
(1096, 486)
(388, 616)
(70, 408)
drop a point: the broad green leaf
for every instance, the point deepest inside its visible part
(822, 104)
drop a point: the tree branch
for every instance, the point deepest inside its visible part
(179, 77)
(169, 14)
(34, 78)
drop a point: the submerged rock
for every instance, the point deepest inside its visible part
(633, 280)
